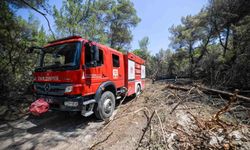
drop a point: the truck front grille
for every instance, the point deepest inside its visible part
(50, 88)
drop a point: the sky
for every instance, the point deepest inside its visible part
(156, 18)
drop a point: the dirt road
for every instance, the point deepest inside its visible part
(54, 130)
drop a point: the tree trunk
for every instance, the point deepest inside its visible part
(191, 61)
(226, 41)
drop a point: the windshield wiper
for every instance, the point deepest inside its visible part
(53, 66)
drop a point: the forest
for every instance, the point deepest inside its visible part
(211, 47)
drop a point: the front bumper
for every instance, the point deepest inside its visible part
(58, 103)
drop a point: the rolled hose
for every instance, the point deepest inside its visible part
(39, 107)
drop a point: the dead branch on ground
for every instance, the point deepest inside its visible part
(204, 131)
(206, 90)
(97, 143)
(180, 100)
(226, 108)
(145, 129)
(162, 128)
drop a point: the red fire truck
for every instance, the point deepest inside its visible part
(75, 74)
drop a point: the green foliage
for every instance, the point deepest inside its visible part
(105, 21)
(216, 41)
(143, 43)
(21, 3)
(143, 51)
(121, 18)
(16, 36)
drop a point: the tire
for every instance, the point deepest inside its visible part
(138, 90)
(105, 106)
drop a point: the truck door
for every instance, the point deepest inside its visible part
(118, 69)
(94, 74)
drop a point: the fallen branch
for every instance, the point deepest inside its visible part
(229, 94)
(171, 86)
(95, 144)
(206, 90)
(226, 107)
(176, 106)
(162, 130)
(180, 100)
(131, 113)
(145, 129)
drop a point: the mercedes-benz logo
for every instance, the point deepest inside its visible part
(46, 87)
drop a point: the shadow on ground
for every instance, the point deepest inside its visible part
(50, 130)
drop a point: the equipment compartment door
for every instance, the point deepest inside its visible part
(117, 69)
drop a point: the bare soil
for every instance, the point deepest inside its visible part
(190, 125)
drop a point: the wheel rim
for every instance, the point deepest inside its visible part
(107, 105)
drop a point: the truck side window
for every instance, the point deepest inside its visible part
(88, 58)
(116, 62)
(100, 62)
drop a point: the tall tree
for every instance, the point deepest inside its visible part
(35, 5)
(76, 17)
(105, 21)
(217, 42)
(225, 14)
(16, 35)
(186, 36)
(143, 51)
(121, 18)
(143, 43)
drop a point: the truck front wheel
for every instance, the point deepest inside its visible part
(105, 106)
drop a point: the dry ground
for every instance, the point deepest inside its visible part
(190, 126)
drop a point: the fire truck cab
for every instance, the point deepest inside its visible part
(75, 74)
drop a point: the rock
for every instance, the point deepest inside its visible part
(184, 119)
(216, 139)
(236, 135)
(172, 140)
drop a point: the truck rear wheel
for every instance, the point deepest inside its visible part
(105, 106)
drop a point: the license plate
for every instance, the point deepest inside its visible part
(71, 104)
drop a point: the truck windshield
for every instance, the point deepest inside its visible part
(58, 57)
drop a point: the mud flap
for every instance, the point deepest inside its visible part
(87, 108)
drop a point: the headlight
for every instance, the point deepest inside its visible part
(68, 89)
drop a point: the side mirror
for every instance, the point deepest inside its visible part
(96, 52)
(31, 49)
